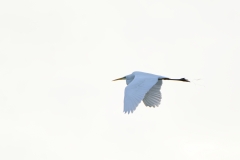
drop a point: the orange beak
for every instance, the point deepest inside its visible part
(123, 78)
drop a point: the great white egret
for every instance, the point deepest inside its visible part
(143, 87)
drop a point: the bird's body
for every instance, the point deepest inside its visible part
(144, 87)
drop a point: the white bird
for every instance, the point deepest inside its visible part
(143, 87)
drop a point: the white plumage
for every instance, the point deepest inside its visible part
(143, 87)
(153, 97)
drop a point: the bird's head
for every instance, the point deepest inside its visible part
(128, 78)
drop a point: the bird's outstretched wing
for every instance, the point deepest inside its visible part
(137, 89)
(153, 96)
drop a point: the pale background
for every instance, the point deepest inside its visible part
(57, 60)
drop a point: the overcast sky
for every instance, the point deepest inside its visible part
(58, 59)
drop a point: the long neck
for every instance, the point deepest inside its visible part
(181, 79)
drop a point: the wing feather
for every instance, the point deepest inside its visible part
(136, 91)
(153, 96)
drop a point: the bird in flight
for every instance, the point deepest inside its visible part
(144, 87)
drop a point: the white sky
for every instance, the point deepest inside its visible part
(57, 60)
